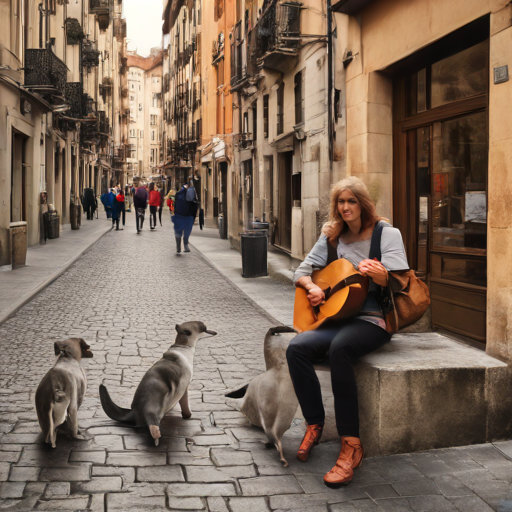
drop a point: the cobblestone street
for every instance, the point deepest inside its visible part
(124, 298)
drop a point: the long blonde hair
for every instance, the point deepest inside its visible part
(333, 228)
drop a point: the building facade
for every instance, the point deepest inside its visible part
(410, 96)
(427, 95)
(61, 121)
(145, 126)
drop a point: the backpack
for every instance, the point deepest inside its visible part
(406, 298)
(181, 203)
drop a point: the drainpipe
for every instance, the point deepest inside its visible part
(330, 127)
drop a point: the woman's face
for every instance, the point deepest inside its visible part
(348, 206)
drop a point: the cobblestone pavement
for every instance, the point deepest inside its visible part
(124, 297)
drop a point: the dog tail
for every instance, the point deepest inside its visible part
(114, 411)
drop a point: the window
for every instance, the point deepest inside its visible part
(152, 135)
(154, 101)
(142, 134)
(140, 106)
(153, 119)
(152, 158)
(133, 132)
(265, 116)
(280, 109)
(254, 121)
(299, 98)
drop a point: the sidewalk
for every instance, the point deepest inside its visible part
(46, 262)
(274, 293)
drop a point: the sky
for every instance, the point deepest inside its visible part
(143, 24)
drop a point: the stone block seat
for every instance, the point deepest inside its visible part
(425, 391)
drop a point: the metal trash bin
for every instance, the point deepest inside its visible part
(54, 224)
(18, 231)
(75, 216)
(223, 232)
(254, 253)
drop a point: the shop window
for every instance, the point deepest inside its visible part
(254, 121)
(299, 98)
(265, 116)
(280, 109)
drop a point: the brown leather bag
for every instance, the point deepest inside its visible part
(406, 298)
(410, 299)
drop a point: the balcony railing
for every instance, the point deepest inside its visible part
(80, 104)
(278, 35)
(74, 32)
(90, 55)
(44, 71)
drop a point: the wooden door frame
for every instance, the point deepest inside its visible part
(405, 210)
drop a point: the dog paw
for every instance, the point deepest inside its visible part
(186, 416)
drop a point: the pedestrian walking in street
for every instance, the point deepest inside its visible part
(107, 199)
(140, 203)
(89, 203)
(121, 211)
(183, 218)
(155, 200)
(347, 235)
(161, 207)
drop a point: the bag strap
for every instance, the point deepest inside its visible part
(332, 253)
(375, 250)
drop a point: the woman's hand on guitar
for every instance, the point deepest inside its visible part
(316, 295)
(374, 269)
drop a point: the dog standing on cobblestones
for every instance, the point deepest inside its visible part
(61, 391)
(164, 385)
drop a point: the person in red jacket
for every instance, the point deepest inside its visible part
(120, 209)
(154, 203)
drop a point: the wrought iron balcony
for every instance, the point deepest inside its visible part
(90, 55)
(80, 103)
(278, 36)
(44, 71)
(74, 32)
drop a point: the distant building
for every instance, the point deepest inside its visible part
(145, 100)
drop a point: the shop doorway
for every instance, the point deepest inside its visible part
(441, 142)
(18, 179)
(283, 238)
(222, 190)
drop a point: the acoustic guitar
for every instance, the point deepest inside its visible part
(345, 292)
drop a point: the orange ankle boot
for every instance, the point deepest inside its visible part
(311, 438)
(350, 458)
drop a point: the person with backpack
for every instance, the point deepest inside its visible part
(140, 202)
(154, 203)
(183, 218)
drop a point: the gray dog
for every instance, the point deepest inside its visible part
(269, 400)
(61, 391)
(164, 385)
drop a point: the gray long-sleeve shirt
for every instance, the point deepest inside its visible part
(393, 258)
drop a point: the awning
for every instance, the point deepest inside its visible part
(350, 6)
(284, 142)
(170, 14)
(102, 163)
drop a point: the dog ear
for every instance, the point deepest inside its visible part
(177, 327)
(85, 349)
(56, 348)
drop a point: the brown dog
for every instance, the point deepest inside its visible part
(61, 391)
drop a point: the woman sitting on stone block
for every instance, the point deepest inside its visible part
(349, 231)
